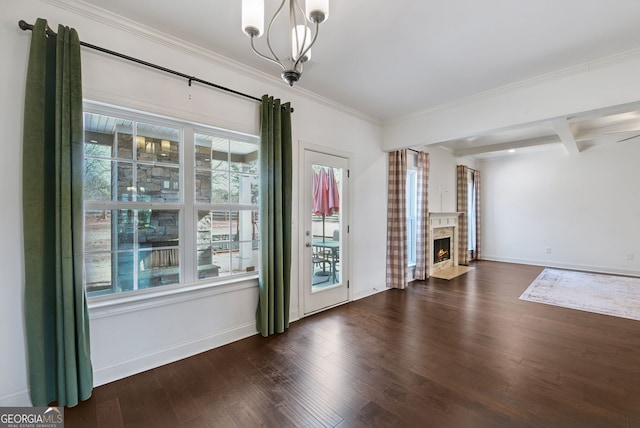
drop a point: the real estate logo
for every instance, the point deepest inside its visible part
(31, 417)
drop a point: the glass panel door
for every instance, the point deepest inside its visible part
(325, 196)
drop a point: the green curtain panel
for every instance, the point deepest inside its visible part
(272, 315)
(56, 318)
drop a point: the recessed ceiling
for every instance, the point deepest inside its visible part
(389, 59)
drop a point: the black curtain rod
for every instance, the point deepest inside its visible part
(25, 26)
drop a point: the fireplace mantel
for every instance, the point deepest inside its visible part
(445, 224)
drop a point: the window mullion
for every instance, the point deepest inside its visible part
(189, 217)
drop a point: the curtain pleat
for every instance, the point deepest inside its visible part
(272, 315)
(463, 207)
(396, 271)
(422, 225)
(56, 316)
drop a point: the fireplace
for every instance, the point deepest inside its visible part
(443, 230)
(441, 250)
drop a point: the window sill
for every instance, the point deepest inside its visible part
(105, 306)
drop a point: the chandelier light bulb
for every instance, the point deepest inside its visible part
(253, 17)
(298, 36)
(317, 10)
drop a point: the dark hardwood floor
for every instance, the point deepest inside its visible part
(459, 353)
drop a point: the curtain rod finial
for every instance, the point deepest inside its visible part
(24, 26)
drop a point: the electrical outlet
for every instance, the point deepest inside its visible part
(547, 250)
(629, 256)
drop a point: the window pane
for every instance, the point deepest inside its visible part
(222, 257)
(244, 189)
(97, 231)
(158, 144)
(244, 157)
(158, 228)
(203, 187)
(244, 226)
(213, 252)
(97, 269)
(125, 230)
(124, 134)
(97, 179)
(203, 151)
(97, 144)
(219, 153)
(158, 183)
(158, 267)
(124, 271)
(220, 187)
(124, 178)
(206, 268)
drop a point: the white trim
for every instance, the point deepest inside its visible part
(562, 265)
(184, 350)
(138, 29)
(16, 399)
(370, 291)
(131, 302)
(569, 71)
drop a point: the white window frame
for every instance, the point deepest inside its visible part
(186, 206)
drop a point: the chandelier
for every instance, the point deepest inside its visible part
(301, 36)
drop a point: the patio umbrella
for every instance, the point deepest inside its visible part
(326, 198)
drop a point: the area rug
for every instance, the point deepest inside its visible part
(451, 272)
(618, 296)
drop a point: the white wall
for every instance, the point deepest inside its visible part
(585, 208)
(138, 335)
(442, 178)
(597, 85)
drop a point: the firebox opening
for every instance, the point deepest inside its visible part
(441, 250)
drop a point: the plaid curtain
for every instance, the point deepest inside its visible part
(422, 224)
(463, 207)
(397, 220)
(476, 186)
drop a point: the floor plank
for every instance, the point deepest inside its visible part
(459, 353)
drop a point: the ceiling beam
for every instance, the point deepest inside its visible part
(628, 127)
(566, 136)
(529, 142)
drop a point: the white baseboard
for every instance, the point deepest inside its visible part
(361, 294)
(560, 265)
(17, 399)
(120, 370)
(294, 315)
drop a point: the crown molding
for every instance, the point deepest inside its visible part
(521, 84)
(140, 30)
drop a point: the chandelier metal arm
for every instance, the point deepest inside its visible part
(275, 61)
(302, 55)
(268, 35)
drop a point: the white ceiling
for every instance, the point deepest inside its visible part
(389, 59)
